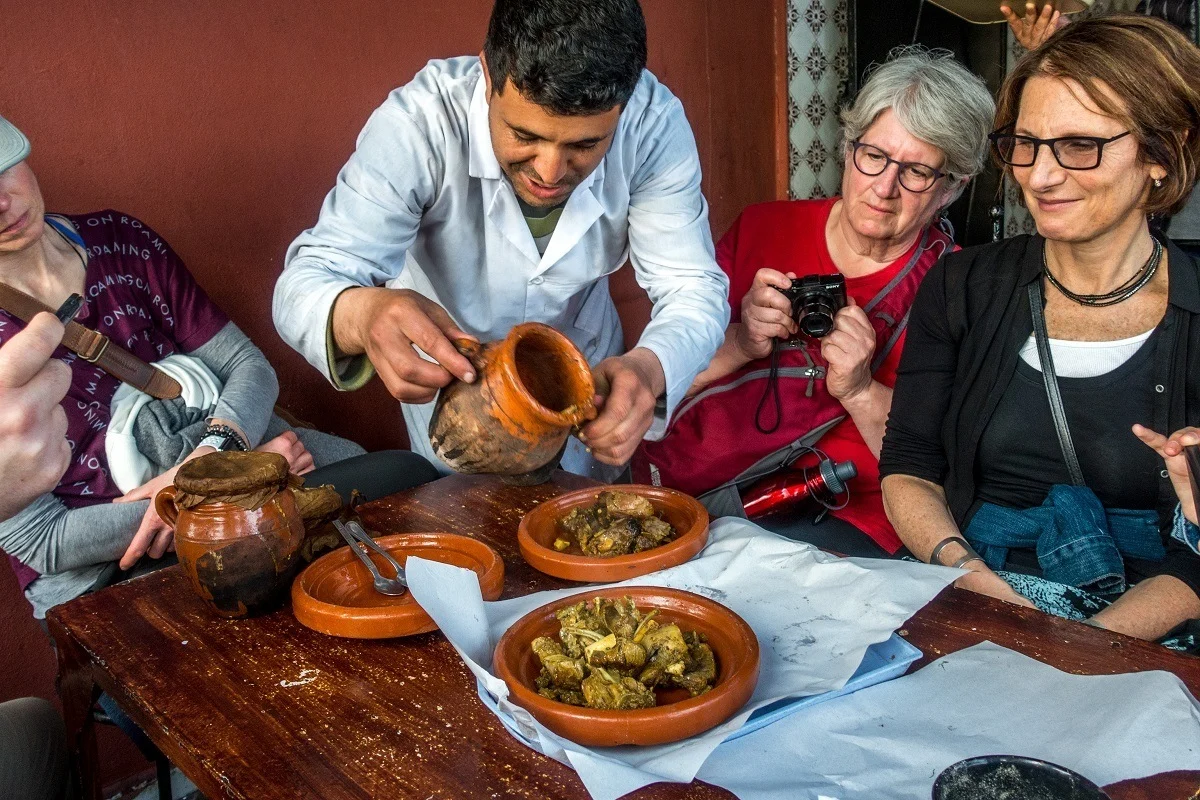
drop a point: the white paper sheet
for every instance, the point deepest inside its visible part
(814, 614)
(892, 740)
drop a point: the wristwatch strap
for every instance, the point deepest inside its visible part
(223, 437)
(96, 348)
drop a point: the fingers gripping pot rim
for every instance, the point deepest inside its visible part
(238, 529)
(533, 388)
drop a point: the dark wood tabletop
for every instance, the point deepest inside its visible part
(265, 708)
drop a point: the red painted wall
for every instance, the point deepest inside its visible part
(224, 124)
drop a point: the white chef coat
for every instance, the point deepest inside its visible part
(422, 204)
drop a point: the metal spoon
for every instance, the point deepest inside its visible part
(359, 540)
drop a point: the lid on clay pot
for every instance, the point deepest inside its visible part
(227, 474)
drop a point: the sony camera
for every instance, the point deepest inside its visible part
(815, 299)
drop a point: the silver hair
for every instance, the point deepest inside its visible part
(935, 98)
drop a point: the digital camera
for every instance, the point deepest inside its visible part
(815, 299)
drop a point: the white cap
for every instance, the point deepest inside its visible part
(14, 147)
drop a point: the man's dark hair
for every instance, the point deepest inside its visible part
(570, 56)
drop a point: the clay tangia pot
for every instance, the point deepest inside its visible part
(237, 529)
(532, 388)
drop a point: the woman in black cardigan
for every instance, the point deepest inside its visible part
(1099, 128)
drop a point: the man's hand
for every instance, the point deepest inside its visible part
(1034, 28)
(34, 452)
(766, 314)
(627, 389)
(848, 348)
(387, 324)
(1170, 450)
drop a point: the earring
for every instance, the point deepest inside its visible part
(1158, 183)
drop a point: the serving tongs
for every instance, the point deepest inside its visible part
(359, 541)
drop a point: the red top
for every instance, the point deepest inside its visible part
(790, 237)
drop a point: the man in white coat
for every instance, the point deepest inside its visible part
(505, 188)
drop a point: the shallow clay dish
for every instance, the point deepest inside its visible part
(677, 716)
(334, 594)
(539, 528)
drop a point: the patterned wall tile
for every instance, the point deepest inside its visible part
(818, 76)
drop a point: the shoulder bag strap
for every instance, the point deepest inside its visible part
(96, 348)
(1051, 380)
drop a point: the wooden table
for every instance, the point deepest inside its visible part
(265, 708)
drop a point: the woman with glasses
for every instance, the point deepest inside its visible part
(1050, 382)
(911, 142)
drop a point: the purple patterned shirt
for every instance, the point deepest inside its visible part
(138, 293)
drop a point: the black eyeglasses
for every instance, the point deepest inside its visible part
(914, 176)
(1071, 152)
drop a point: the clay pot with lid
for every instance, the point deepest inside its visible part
(238, 529)
(532, 389)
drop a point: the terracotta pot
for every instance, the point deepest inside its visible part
(678, 715)
(532, 388)
(539, 529)
(334, 595)
(240, 562)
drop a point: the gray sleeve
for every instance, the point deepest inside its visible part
(251, 387)
(50, 538)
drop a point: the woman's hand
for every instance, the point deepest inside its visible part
(1171, 450)
(848, 349)
(766, 314)
(288, 445)
(154, 535)
(1034, 28)
(984, 581)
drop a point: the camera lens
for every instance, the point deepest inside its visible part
(816, 316)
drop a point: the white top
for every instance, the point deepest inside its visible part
(422, 204)
(1084, 359)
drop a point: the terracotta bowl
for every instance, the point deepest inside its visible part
(678, 715)
(539, 529)
(334, 595)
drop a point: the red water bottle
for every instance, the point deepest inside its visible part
(824, 483)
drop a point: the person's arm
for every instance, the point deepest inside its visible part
(912, 463)
(330, 303)
(869, 408)
(49, 538)
(249, 384)
(728, 359)
(917, 509)
(34, 452)
(849, 349)
(1035, 27)
(672, 254)
(1151, 609)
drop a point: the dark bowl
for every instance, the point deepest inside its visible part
(1011, 777)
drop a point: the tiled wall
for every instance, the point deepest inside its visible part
(818, 77)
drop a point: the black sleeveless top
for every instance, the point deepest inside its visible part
(1019, 457)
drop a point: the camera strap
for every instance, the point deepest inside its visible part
(1051, 380)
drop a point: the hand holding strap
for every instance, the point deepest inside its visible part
(96, 348)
